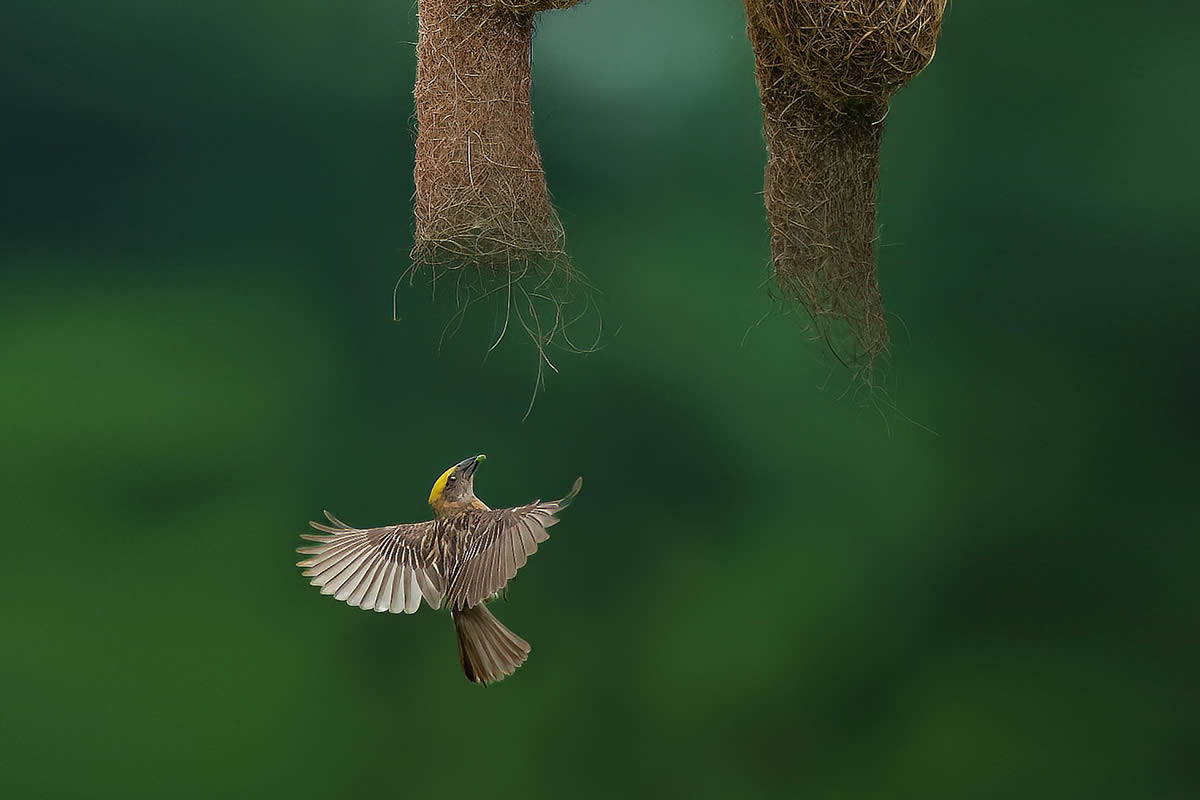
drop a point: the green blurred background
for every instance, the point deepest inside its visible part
(767, 588)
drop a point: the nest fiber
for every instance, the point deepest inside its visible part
(826, 70)
(526, 6)
(481, 197)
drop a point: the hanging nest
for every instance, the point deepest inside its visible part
(482, 208)
(826, 70)
(481, 196)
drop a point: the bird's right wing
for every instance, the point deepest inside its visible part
(385, 569)
(496, 545)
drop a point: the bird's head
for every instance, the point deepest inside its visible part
(454, 490)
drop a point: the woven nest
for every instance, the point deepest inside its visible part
(826, 70)
(482, 208)
(481, 196)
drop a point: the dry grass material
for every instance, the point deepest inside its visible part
(481, 196)
(484, 220)
(526, 6)
(826, 70)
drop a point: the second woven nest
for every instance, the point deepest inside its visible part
(826, 70)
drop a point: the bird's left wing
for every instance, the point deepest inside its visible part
(493, 545)
(385, 569)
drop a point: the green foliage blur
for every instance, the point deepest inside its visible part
(979, 584)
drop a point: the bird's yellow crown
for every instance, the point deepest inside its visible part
(439, 485)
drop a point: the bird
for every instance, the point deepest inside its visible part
(463, 559)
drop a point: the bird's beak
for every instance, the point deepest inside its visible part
(467, 467)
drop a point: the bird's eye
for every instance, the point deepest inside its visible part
(453, 478)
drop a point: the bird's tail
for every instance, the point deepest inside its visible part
(488, 651)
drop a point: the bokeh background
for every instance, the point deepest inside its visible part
(769, 586)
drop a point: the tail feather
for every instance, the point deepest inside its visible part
(488, 651)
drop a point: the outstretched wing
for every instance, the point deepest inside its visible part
(385, 569)
(493, 545)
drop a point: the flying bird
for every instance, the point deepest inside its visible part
(462, 558)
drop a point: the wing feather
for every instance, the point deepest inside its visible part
(495, 545)
(353, 592)
(383, 599)
(337, 565)
(398, 591)
(380, 596)
(413, 593)
(378, 573)
(424, 582)
(373, 568)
